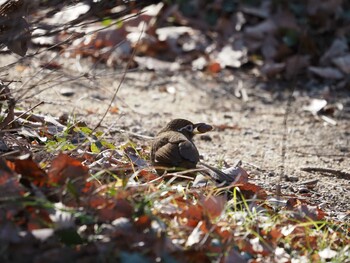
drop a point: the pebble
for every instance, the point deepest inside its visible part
(304, 190)
(67, 92)
(205, 138)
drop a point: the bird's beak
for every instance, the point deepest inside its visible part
(201, 128)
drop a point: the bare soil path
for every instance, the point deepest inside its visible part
(248, 116)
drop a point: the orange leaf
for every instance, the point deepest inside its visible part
(147, 175)
(143, 222)
(9, 184)
(114, 209)
(114, 110)
(250, 190)
(63, 167)
(214, 67)
(30, 171)
(213, 205)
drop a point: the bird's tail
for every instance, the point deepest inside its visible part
(217, 175)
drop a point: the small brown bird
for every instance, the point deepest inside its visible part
(173, 145)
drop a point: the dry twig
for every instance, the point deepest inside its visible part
(339, 173)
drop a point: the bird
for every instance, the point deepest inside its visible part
(14, 29)
(173, 147)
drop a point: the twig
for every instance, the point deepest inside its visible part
(256, 167)
(335, 172)
(137, 135)
(312, 181)
(120, 82)
(32, 108)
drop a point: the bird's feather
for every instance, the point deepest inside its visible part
(174, 149)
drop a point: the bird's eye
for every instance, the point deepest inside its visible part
(188, 128)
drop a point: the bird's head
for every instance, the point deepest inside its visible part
(186, 127)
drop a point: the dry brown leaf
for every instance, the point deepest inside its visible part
(271, 69)
(111, 209)
(251, 190)
(338, 48)
(64, 166)
(9, 182)
(30, 171)
(213, 205)
(261, 30)
(238, 174)
(343, 63)
(263, 11)
(327, 72)
(286, 19)
(214, 67)
(223, 127)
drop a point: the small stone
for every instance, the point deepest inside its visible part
(304, 190)
(291, 178)
(271, 174)
(205, 138)
(67, 92)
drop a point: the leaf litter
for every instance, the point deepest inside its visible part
(81, 197)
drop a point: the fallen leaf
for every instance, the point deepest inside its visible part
(343, 63)
(63, 167)
(9, 182)
(213, 205)
(43, 234)
(250, 190)
(271, 69)
(261, 30)
(69, 13)
(338, 48)
(302, 210)
(30, 171)
(214, 67)
(147, 176)
(327, 72)
(229, 57)
(195, 237)
(112, 209)
(315, 105)
(239, 175)
(327, 253)
(199, 63)
(222, 127)
(114, 110)
(156, 64)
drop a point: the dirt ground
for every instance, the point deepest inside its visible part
(248, 115)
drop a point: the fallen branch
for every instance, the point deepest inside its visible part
(335, 172)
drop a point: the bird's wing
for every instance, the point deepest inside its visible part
(173, 149)
(168, 154)
(188, 151)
